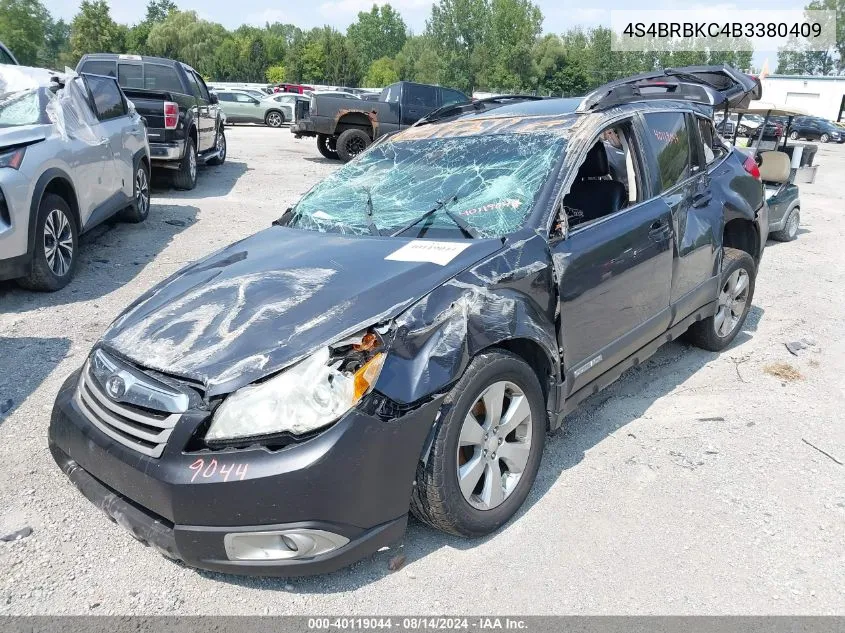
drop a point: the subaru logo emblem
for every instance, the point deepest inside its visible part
(115, 386)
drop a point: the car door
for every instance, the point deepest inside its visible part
(614, 275)
(247, 108)
(417, 101)
(206, 112)
(228, 105)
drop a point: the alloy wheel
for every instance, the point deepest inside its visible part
(792, 227)
(142, 191)
(732, 302)
(355, 146)
(58, 242)
(494, 445)
(824, 138)
(221, 146)
(192, 165)
(793, 136)
(274, 119)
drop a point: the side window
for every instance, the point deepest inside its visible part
(225, 96)
(390, 94)
(608, 179)
(668, 138)
(202, 87)
(161, 77)
(193, 85)
(108, 100)
(98, 67)
(242, 98)
(448, 97)
(714, 148)
(5, 58)
(130, 75)
(419, 95)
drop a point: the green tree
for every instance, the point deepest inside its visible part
(381, 32)
(23, 26)
(502, 61)
(94, 31)
(56, 45)
(184, 36)
(381, 73)
(276, 74)
(419, 61)
(456, 28)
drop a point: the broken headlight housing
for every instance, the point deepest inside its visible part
(305, 397)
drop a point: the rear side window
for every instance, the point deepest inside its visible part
(419, 95)
(202, 87)
(130, 75)
(159, 77)
(195, 89)
(451, 96)
(99, 67)
(108, 101)
(240, 97)
(668, 138)
(390, 94)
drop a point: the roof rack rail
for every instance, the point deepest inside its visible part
(478, 105)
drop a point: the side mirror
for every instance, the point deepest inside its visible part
(212, 98)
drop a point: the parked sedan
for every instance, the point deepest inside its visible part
(241, 107)
(816, 128)
(73, 153)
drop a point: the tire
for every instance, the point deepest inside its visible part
(56, 232)
(351, 143)
(437, 497)
(186, 176)
(220, 146)
(824, 138)
(793, 135)
(140, 207)
(327, 146)
(274, 118)
(790, 228)
(715, 333)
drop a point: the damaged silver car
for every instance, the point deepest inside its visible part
(406, 334)
(73, 153)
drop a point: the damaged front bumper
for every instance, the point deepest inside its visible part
(347, 490)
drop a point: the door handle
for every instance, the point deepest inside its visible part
(701, 199)
(658, 231)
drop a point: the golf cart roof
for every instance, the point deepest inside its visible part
(775, 109)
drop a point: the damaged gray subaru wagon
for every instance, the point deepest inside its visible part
(405, 335)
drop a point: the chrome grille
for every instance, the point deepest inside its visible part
(143, 429)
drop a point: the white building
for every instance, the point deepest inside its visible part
(820, 96)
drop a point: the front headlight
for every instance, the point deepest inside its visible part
(310, 395)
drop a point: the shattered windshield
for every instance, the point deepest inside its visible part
(23, 108)
(489, 183)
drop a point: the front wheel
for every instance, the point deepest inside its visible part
(824, 138)
(220, 148)
(487, 449)
(715, 333)
(793, 135)
(351, 143)
(56, 245)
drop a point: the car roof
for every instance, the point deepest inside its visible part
(123, 57)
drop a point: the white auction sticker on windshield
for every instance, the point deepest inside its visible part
(440, 253)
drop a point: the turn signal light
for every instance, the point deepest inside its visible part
(171, 115)
(367, 375)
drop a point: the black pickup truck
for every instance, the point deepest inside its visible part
(345, 127)
(184, 123)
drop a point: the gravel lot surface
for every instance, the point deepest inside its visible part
(687, 487)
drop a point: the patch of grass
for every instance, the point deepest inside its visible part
(784, 371)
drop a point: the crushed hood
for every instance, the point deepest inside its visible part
(261, 304)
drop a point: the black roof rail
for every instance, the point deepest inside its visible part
(478, 105)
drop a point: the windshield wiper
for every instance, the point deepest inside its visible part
(371, 225)
(465, 228)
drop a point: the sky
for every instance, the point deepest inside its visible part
(559, 15)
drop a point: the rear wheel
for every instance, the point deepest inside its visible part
(790, 228)
(487, 449)
(351, 143)
(327, 146)
(715, 333)
(274, 118)
(140, 207)
(186, 176)
(56, 246)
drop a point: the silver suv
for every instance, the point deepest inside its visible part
(73, 153)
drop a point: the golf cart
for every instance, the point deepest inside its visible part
(779, 163)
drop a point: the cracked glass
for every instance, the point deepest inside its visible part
(490, 182)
